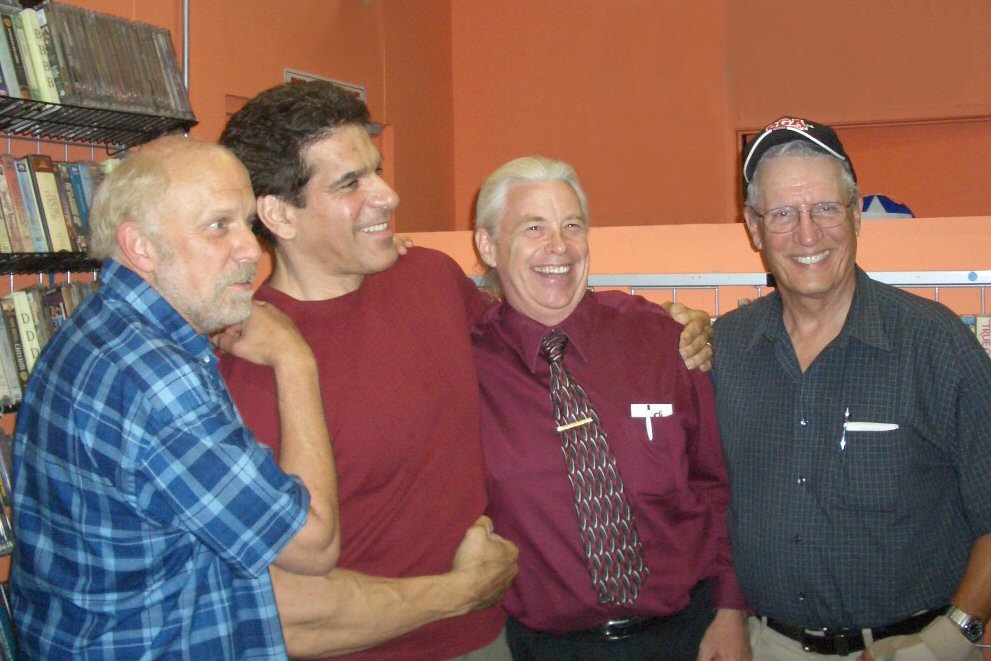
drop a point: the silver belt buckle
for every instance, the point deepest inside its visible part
(613, 629)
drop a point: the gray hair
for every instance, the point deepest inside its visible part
(491, 204)
(136, 190)
(803, 149)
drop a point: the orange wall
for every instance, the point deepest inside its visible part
(918, 244)
(632, 93)
(646, 98)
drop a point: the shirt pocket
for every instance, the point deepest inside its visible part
(870, 471)
(656, 468)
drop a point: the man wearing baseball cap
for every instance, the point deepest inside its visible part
(855, 421)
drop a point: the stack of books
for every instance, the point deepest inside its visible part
(28, 319)
(61, 54)
(44, 204)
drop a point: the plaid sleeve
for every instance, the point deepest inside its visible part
(203, 468)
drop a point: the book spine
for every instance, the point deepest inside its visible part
(27, 328)
(11, 222)
(10, 36)
(67, 56)
(23, 34)
(54, 66)
(31, 211)
(39, 314)
(11, 83)
(79, 190)
(55, 309)
(177, 91)
(5, 246)
(14, 337)
(13, 383)
(982, 328)
(39, 56)
(8, 79)
(53, 216)
(17, 201)
(77, 232)
(6, 468)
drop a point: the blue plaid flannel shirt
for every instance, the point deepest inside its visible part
(146, 514)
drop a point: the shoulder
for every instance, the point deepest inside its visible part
(426, 261)
(627, 316)
(619, 304)
(905, 313)
(737, 326)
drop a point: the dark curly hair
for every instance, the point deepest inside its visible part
(271, 132)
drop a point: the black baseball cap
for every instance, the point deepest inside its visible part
(788, 129)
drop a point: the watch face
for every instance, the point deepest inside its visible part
(974, 631)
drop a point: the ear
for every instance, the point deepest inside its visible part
(486, 245)
(136, 246)
(277, 215)
(753, 227)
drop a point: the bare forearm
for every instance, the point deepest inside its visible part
(973, 596)
(306, 452)
(346, 611)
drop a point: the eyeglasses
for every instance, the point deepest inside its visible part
(782, 220)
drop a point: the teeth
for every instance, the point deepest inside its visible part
(553, 270)
(375, 228)
(813, 259)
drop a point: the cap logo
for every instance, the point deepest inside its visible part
(788, 122)
(785, 130)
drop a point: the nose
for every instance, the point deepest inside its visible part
(807, 232)
(247, 250)
(383, 194)
(555, 240)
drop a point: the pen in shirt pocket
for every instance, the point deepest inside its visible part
(859, 426)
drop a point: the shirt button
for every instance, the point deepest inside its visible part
(802, 480)
(797, 539)
(801, 596)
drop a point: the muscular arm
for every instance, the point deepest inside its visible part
(346, 611)
(269, 338)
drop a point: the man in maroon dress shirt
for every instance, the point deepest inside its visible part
(659, 419)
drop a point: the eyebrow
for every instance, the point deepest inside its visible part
(356, 174)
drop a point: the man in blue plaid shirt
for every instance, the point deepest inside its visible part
(147, 514)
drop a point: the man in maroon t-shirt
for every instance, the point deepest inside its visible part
(421, 570)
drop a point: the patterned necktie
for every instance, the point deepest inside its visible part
(613, 552)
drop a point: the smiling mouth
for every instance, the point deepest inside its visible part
(813, 259)
(564, 269)
(375, 228)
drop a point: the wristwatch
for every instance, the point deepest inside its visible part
(971, 627)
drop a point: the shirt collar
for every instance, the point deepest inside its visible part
(863, 320)
(121, 283)
(523, 335)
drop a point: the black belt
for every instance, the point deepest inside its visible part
(627, 627)
(845, 641)
(622, 628)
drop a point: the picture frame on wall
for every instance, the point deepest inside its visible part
(294, 75)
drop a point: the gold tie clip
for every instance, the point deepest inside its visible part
(576, 423)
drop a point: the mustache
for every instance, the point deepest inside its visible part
(244, 273)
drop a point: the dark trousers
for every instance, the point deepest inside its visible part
(676, 638)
